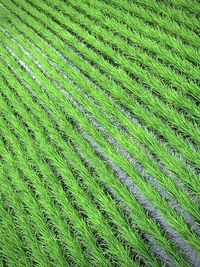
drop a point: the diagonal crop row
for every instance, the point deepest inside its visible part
(55, 164)
(169, 10)
(179, 146)
(132, 148)
(143, 45)
(142, 28)
(99, 133)
(79, 225)
(169, 25)
(110, 53)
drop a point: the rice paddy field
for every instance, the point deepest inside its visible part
(99, 133)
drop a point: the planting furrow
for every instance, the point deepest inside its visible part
(102, 166)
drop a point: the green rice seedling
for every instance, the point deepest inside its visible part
(183, 126)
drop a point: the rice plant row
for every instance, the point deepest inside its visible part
(99, 133)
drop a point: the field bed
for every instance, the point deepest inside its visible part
(99, 133)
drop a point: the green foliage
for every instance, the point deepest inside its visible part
(99, 133)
